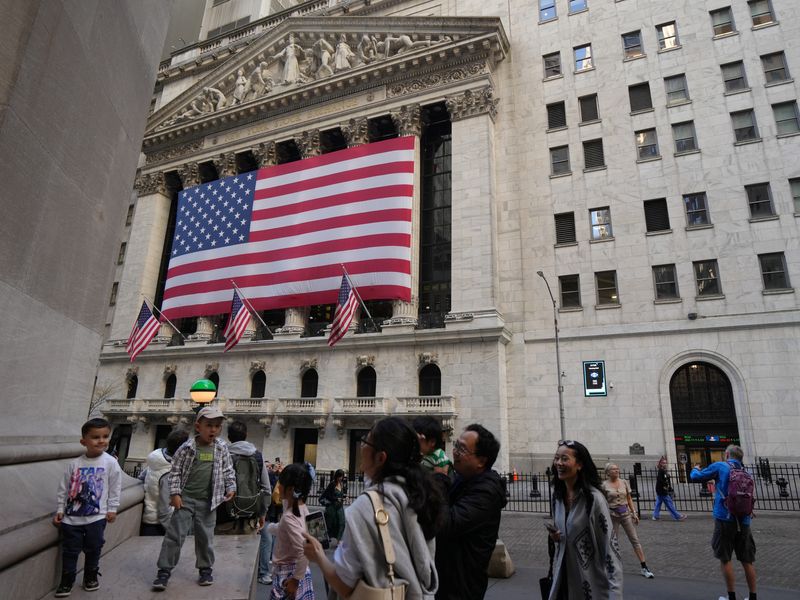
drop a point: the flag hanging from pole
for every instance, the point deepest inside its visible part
(143, 331)
(282, 232)
(237, 322)
(345, 309)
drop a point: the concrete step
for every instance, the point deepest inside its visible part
(130, 568)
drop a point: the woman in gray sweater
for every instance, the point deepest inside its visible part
(390, 458)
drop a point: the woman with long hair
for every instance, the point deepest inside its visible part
(587, 562)
(390, 458)
(333, 501)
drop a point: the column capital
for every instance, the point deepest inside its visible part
(408, 119)
(472, 103)
(309, 143)
(266, 153)
(150, 183)
(189, 174)
(225, 164)
(355, 131)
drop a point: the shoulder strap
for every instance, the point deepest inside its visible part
(382, 520)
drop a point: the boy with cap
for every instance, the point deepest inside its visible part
(201, 478)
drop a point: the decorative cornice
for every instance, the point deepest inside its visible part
(426, 358)
(408, 120)
(266, 153)
(308, 364)
(150, 183)
(189, 174)
(309, 143)
(365, 360)
(225, 164)
(436, 79)
(257, 365)
(355, 131)
(472, 103)
(170, 369)
(174, 151)
(462, 316)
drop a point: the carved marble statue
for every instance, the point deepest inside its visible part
(367, 49)
(259, 82)
(291, 55)
(214, 97)
(322, 53)
(239, 87)
(343, 56)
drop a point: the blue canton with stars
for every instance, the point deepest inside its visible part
(214, 215)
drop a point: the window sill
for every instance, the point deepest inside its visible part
(734, 92)
(542, 22)
(777, 83)
(601, 240)
(607, 306)
(647, 160)
(642, 111)
(765, 25)
(680, 103)
(746, 142)
(583, 70)
(695, 227)
(780, 136)
(554, 129)
(768, 218)
(668, 301)
(659, 232)
(710, 297)
(592, 122)
(569, 309)
(577, 12)
(593, 169)
(553, 77)
(777, 292)
(722, 36)
(565, 244)
(687, 152)
(559, 175)
(632, 58)
(673, 48)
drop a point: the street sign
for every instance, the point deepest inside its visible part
(594, 378)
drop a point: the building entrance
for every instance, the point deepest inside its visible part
(305, 446)
(703, 414)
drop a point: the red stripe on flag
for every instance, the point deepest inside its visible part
(373, 193)
(378, 216)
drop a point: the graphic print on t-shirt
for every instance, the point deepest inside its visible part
(85, 491)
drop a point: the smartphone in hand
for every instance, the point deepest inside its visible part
(315, 525)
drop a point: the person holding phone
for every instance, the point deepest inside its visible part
(586, 561)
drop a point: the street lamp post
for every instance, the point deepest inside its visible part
(558, 358)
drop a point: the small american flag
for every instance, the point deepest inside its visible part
(143, 331)
(345, 309)
(237, 322)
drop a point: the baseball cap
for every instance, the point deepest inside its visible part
(210, 412)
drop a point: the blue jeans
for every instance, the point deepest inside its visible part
(265, 547)
(665, 499)
(88, 538)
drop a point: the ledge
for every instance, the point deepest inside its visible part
(570, 309)
(765, 25)
(647, 160)
(592, 122)
(607, 306)
(734, 92)
(592, 169)
(778, 83)
(642, 111)
(680, 103)
(658, 232)
(747, 142)
(584, 70)
(687, 152)
(694, 227)
(777, 292)
(558, 175)
(601, 240)
(668, 301)
(632, 58)
(780, 136)
(554, 129)
(672, 49)
(552, 77)
(760, 219)
(710, 297)
(570, 244)
(722, 36)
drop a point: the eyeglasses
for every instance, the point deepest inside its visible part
(567, 443)
(461, 449)
(365, 442)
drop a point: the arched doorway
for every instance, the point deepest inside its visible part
(366, 382)
(703, 413)
(430, 381)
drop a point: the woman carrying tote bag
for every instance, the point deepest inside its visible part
(402, 517)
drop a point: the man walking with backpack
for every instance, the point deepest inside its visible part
(247, 510)
(733, 506)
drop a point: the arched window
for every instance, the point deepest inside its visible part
(133, 384)
(258, 386)
(308, 385)
(366, 382)
(169, 386)
(215, 378)
(430, 381)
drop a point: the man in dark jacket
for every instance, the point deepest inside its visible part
(475, 498)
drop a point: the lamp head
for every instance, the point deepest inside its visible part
(203, 391)
(540, 274)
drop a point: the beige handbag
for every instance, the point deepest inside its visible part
(393, 592)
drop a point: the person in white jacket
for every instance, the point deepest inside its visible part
(157, 510)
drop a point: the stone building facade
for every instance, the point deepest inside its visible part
(635, 158)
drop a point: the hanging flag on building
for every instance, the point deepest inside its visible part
(282, 232)
(143, 331)
(345, 309)
(237, 322)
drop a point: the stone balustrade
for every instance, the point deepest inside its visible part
(360, 406)
(301, 406)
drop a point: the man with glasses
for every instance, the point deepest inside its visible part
(475, 498)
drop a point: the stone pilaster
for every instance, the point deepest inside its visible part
(225, 164)
(266, 153)
(355, 131)
(472, 103)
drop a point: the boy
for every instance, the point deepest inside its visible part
(200, 479)
(431, 444)
(88, 497)
(157, 509)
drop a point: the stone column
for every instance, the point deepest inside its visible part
(140, 273)
(225, 164)
(474, 240)
(404, 314)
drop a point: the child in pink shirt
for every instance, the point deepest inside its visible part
(290, 572)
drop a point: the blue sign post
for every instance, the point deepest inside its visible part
(594, 378)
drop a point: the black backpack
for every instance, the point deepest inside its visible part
(248, 502)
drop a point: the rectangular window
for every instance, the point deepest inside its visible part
(794, 185)
(786, 117)
(593, 156)
(129, 216)
(552, 64)
(656, 215)
(589, 110)
(775, 67)
(577, 5)
(733, 76)
(114, 289)
(121, 256)
(606, 283)
(556, 115)
(773, 271)
(744, 125)
(696, 209)
(583, 57)
(706, 276)
(646, 144)
(760, 200)
(665, 282)
(685, 137)
(600, 220)
(667, 36)
(570, 286)
(632, 44)
(677, 90)
(559, 160)
(565, 228)
(761, 12)
(639, 96)
(547, 10)
(722, 21)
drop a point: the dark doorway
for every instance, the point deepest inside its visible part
(354, 465)
(430, 381)
(214, 377)
(366, 383)
(258, 387)
(169, 388)
(305, 446)
(162, 431)
(133, 385)
(308, 384)
(120, 442)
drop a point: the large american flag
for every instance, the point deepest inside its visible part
(283, 232)
(144, 329)
(345, 309)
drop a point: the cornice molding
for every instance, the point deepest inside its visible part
(472, 103)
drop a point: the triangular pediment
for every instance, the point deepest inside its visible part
(318, 57)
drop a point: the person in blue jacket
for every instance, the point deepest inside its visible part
(730, 534)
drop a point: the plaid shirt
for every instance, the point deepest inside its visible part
(223, 477)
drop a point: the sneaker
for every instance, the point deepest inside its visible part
(681, 518)
(655, 518)
(265, 580)
(90, 583)
(162, 579)
(647, 573)
(206, 578)
(64, 588)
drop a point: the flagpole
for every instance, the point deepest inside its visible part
(253, 311)
(153, 307)
(355, 289)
